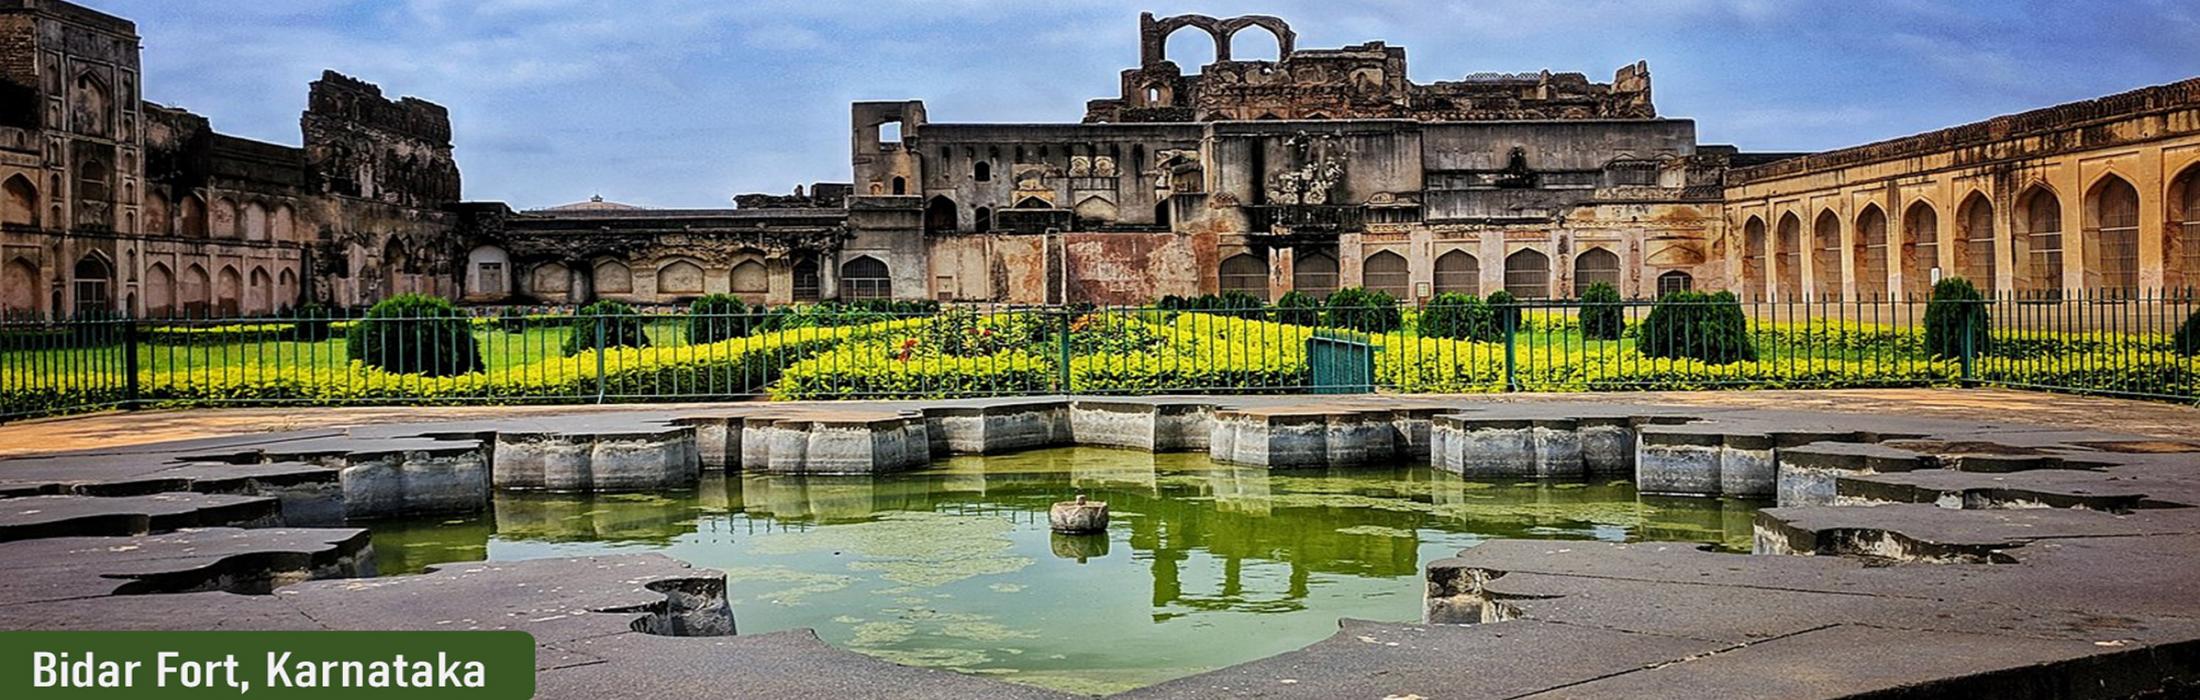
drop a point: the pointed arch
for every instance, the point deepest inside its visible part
(2181, 232)
(194, 292)
(1825, 255)
(19, 288)
(981, 219)
(1975, 259)
(254, 221)
(160, 290)
(259, 291)
(939, 214)
(2037, 240)
(1593, 267)
(1870, 261)
(1787, 258)
(1313, 271)
(1458, 271)
(1387, 272)
(900, 185)
(1675, 282)
(19, 202)
(750, 281)
(1920, 248)
(286, 287)
(613, 277)
(228, 291)
(192, 217)
(221, 219)
(866, 277)
(1753, 258)
(680, 278)
(981, 171)
(1244, 272)
(1528, 274)
(808, 283)
(93, 280)
(2111, 253)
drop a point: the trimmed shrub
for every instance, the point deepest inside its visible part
(1358, 309)
(1956, 316)
(1693, 325)
(1299, 309)
(621, 324)
(2187, 340)
(415, 334)
(1602, 317)
(1459, 317)
(717, 317)
(1504, 310)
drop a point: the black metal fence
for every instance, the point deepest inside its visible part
(2128, 345)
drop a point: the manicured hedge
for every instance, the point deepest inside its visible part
(415, 334)
(1706, 327)
(1602, 316)
(606, 324)
(886, 371)
(1956, 320)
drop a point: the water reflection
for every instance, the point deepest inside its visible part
(954, 566)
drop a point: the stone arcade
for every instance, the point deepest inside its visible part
(1313, 170)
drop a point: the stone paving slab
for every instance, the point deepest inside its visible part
(89, 516)
(255, 560)
(1373, 660)
(1851, 660)
(1929, 532)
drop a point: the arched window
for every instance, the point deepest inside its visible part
(1245, 272)
(283, 223)
(2112, 220)
(1975, 257)
(1825, 256)
(1528, 274)
(901, 185)
(1161, 214)
(1871, 253)
(93, 279)
(159, 220)
(19, 202)
(1675, 282)
(221, 220)
(2181, 237)
(160, 290)
(982, 171)
(865, 277)
(807, 286)
(1920, 249)
(1753, 258)
(1787, 258)
(1458, 271)
(939, 214)
(1387, 272)
(981, 220)
(1203, 48)
(1265, 44)
(2040, 231)
(1593, 267)
(92, 109)
(1312, 271)
(286, 288)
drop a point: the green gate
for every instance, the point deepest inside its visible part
(1340, 363)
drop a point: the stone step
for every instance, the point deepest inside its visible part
(92, 516)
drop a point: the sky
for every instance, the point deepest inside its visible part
(683, 103)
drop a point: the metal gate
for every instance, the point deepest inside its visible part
(1339, 364)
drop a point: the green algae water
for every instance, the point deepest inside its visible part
(1203, 565)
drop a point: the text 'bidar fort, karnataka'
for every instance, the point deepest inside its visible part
(1323, 168)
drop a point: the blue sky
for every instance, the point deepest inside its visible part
(686, 102)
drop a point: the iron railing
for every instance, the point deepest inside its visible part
(2120, 344)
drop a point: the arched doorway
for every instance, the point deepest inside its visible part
(2039, 231)
(1593, 267)
(1825, 256)
(1787, 260)
(1388, 273)
(1871, 253)
(2112, 223)
(1753, 258)
(1245, 272)
(939, 214)
(1920, 249)
(808, 287)
(1458, 271)
(1312, 272)
(93, 280)
(1975, 257)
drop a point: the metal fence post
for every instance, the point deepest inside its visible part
(599, 359)
(1511, 316)
(1970, 320)
(129, 362)
(1062, 370)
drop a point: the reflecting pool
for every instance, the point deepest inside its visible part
(1203, 565)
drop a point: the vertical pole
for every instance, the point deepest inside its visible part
(1969, 319)
(599, 358)
(1510, 314)
(1061, 370)
(130, 362)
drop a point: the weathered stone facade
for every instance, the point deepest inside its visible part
(1317, 170)
(116, 204)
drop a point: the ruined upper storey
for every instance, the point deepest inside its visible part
(361, 144)
(1356, 82)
